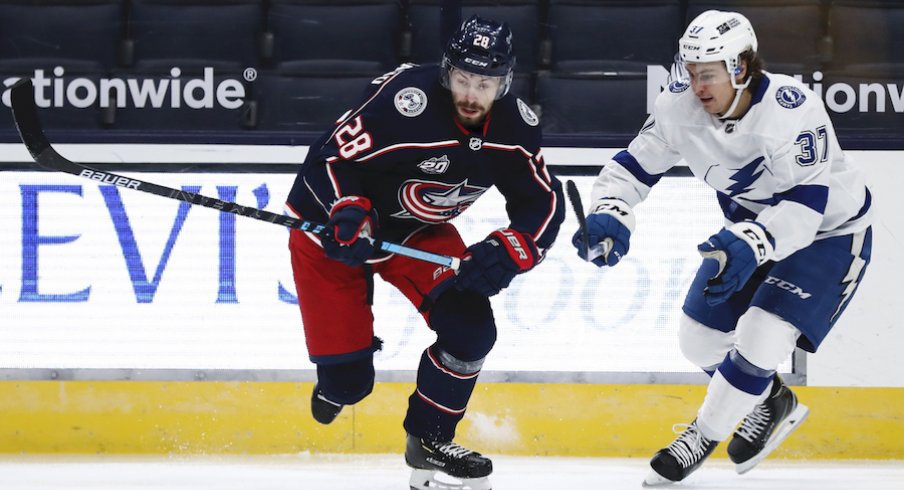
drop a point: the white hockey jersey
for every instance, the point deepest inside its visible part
(780, 164)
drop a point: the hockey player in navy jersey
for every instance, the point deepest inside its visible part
(422, 145)
(796, 242)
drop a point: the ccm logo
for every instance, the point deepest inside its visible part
(787, 286)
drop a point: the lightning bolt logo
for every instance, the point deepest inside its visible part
(745, 177)
(850, 283)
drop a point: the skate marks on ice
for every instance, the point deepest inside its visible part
(389, 472)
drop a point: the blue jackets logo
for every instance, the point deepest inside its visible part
(436, 202)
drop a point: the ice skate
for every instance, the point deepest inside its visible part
(681, 457)
(323, 409)
(445, 466)
(770, 423)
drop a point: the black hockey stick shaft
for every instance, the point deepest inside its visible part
(25, 114)
(575, 197)
(597, 250)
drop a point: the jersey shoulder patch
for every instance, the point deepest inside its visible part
(527, 114)
(678, 86)
(789, 96)
(410, 101)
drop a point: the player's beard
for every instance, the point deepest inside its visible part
(473, 119)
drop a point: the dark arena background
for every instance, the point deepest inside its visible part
(137, 326)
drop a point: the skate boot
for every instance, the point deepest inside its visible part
(323, 409)
(770, 423)
(445, 466)
(684, 455)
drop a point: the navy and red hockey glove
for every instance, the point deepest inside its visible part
(353, 223)
(737, 251)
(490, 266)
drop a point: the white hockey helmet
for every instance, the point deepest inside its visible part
(718, 36)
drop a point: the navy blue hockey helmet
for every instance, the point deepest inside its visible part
(483, 47)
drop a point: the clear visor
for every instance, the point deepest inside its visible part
(480, 86)
(700, 74)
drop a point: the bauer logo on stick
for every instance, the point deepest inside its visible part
(110, 179)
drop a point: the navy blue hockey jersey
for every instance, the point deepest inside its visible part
(403, 148)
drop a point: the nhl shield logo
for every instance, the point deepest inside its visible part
(475, 144)
(411, 101)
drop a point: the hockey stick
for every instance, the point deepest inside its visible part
(599, 250)
(25, 114)
(575, 197)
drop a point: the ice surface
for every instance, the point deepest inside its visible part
(388, 472)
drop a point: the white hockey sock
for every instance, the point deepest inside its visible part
(723, 408)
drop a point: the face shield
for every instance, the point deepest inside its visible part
(708, 74)
(701, 74)
(483, 87)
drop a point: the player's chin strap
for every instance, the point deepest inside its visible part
(734, 103)
(737, 98)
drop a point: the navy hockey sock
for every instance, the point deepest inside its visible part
(444, 386)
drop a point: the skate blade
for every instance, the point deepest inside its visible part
(788, 426)
(655, 480)
(435, 480)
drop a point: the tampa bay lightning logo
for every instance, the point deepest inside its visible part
(790, 97)
(678, 86)
(436, 202)
(745, 177)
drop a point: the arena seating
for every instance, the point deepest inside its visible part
(874, 43)
(523, 17)
(791, 33)
(220, 33)
(294, 99)
(82, 35)
(612, 35)
(582, 64)
(592, 103)
(325, 37)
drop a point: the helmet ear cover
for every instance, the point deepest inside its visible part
(482, 47)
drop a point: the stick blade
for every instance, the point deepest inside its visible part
(25, 114)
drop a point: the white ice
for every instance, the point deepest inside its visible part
(388, 472)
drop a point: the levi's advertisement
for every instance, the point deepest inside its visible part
(98, 276)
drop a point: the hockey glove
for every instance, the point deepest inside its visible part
(490, 265)
(352, 223)
(609, 228)
(739, 250)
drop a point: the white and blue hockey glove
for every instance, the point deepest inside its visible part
(352, 223)
(739, 250)
(609, 228)
(489, 266)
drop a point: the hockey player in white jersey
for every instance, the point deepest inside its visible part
(795, 245)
